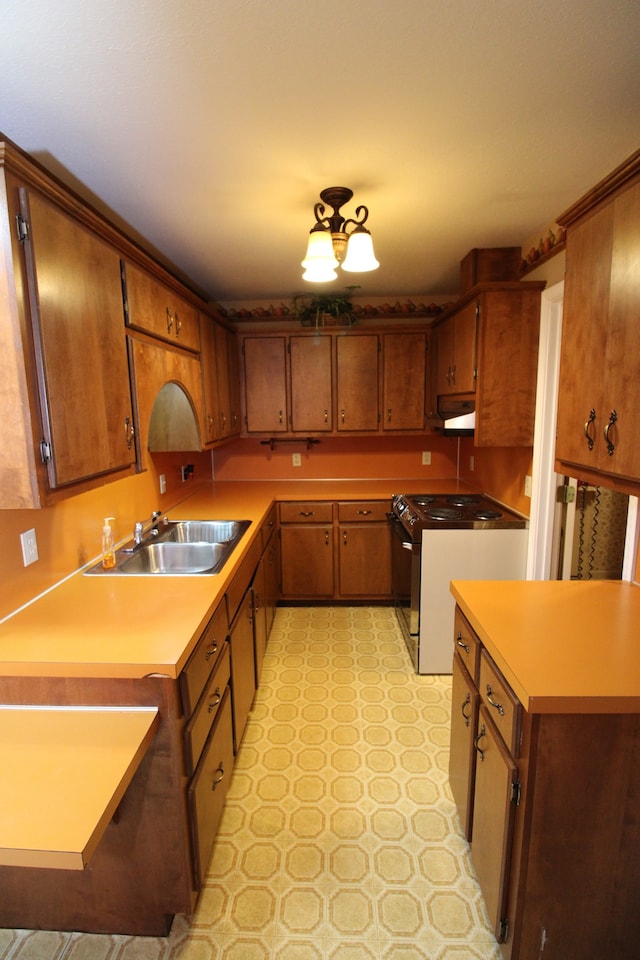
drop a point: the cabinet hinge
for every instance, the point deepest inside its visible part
(566, 493)
(45, 451)
(503, 930)
(22, 227)
(515, 792)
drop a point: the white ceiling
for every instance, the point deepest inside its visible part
(210, 126)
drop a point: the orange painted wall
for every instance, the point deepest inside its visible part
(69, 534)
(499, 472)
(339, 458)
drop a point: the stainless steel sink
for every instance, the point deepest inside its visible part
(202, 531)
(177, 558)
(178, 548)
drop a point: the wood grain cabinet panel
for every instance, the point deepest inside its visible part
(311, 384)
(357, 382)
(599, 391)
(154, 308)
(265, 383)
(404, 381)
(76, 310)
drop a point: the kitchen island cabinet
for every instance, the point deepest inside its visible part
(554, 781)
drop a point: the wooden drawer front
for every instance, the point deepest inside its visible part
(208, 789)
(363, 510)
(467, 644)
(269, 526)
(198, 728)
(203, 659)
(501, 703)
(312, 512)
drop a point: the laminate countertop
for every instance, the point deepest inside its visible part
(119, 626)
(563, 646)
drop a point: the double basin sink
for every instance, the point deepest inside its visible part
(178, 548)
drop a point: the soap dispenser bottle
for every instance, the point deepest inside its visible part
(108, 549)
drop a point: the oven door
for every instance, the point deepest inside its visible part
(405, 582)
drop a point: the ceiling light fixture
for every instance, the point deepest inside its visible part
(330, 245)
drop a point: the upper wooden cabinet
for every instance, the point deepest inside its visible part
(456, 352)
(68, 421)
(220, 380)
(311, 393)
(312, 384)
(488, 346)
(357, 382)
(265, 383)
(154, 308)
(599, 391)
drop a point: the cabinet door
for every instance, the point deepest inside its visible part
(75, 298)
(443, 335)
(159, 311)
(307, 561)
(621, 456)
(209, 377)
(208, 789)
(404, 381)
(357, 382)
(259, 589)
(311, 393)
(462, 755)
(233, 375)
(464, 349)
(365, 560)
(581, 404)
(493, 819)
(243, 670)
(265, 384)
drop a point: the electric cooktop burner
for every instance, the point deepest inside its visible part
(443, 513)
(472, 511)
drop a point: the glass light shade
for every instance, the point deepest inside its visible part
(360, 257)
(320, 247)
(318, 271)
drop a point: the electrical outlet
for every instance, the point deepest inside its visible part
(426, 458)
(163, 483)
(296, 459)
(29, 547)
(472, 463)
(527, 486)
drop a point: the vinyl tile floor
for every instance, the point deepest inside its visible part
(339, 838)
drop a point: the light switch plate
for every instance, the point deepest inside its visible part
(29, 547)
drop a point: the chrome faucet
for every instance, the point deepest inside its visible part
(138, 529)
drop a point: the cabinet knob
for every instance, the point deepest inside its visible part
(461, 643)
(493, 703)
(587, 429)
(128, 432)
(477, 740)
(326, 538)
(467, 717)
(344, 537)
(215, 700)
(169, 320)
(178, 324)
(326, 416)
(219, 776)
(613, 416)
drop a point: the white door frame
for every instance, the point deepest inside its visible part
(542, 553)
(544, 480)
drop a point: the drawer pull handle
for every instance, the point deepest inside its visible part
(169, 320)
(326, 538)
(477, 740)
(306, 513)
(212, 649)
(498, 706)
(215, 700)
(364, 513)
(219, 776)
(613, 416)
(467, 717)
(587, 428)
(461, 643)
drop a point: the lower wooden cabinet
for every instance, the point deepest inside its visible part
(335, 551)
(550, 803)
(209, 786)
(243, 668)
